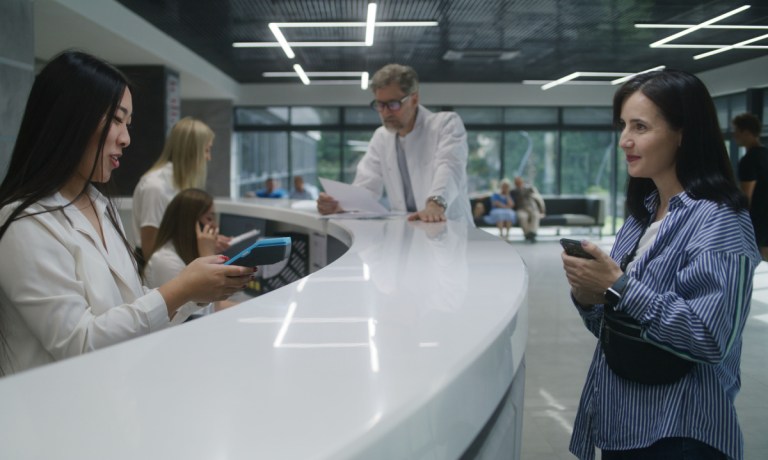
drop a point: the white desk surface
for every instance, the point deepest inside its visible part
(400, 349)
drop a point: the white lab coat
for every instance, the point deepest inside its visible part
(436, 153)
(62, 293)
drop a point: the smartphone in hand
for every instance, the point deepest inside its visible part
(266, 251)
(573, 248)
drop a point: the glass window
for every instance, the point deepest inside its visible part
(723, 114)
(311, 153)
(530, 115)
(588, 116)
(484, 162)
(361, 116)
(314, 115)
(355, 146)
(532, 155)
(738, 105)
(261, 116)
(481, 115)
(586, 162)
(259, 155)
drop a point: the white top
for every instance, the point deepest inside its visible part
(62, 293)
(150, 198)
(165, 265)
(400, 349)
(646, 241)
(436, 152)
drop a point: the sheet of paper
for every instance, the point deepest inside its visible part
(244, 236)
(353, 199)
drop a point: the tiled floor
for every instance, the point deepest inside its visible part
(560, 349)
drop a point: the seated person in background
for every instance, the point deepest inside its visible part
(300, 190)
(269, 190)
(502, 209)
(530, 208)
(188, 231)
(418, 157)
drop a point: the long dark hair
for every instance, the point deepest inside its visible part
(68, 103)
(179, 221)
(702, 164)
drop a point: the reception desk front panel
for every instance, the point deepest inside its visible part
(402, 348)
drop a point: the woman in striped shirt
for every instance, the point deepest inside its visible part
(675, 289)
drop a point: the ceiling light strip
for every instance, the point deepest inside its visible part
(370, 24)
(301, 74)
(698, 26)
(281, 40)
(294, 44)
(686, 26)
(314, 74)
(730, 47)
(364, 78)
(576, 75)
(629, 77)
(560, 81)
(284, 25)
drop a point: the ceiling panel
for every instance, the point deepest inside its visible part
(553, 38)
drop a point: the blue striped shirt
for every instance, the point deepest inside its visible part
(691, 292)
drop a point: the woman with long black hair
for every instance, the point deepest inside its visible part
(69, 282)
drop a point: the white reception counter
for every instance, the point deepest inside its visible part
(408, 346)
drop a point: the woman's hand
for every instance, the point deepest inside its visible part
(222, 243)
(205, 279)
(589, 278)
(207, 236)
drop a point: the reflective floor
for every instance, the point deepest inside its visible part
(560, 349)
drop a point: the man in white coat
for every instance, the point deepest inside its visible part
(418, 157)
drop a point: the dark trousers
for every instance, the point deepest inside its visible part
(668, 449)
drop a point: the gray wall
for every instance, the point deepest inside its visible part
(218, 115)
(17, 57)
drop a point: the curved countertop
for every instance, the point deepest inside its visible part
(401, 348)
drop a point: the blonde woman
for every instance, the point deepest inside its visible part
(182, 165)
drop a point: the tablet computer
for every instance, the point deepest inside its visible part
(265, 251)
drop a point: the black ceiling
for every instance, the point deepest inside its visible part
(554, 37)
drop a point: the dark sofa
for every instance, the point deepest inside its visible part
(562, 211)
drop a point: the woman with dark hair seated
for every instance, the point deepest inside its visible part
(670, 302)
(187, 231)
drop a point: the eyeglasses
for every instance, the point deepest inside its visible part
(393, 106)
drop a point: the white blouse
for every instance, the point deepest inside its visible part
(64, 293)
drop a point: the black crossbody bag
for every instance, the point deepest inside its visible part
(632, 357)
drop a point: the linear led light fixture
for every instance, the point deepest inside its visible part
(370, 24)
(730, 47)
(281, 40)
(698, 26)
(692, 46)
(284, 25)
(301, 74)
(313, 74)
(364, 80)
(629, 77)
(575, 75)
(687, 26)
(294, 44)
(571, 82)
